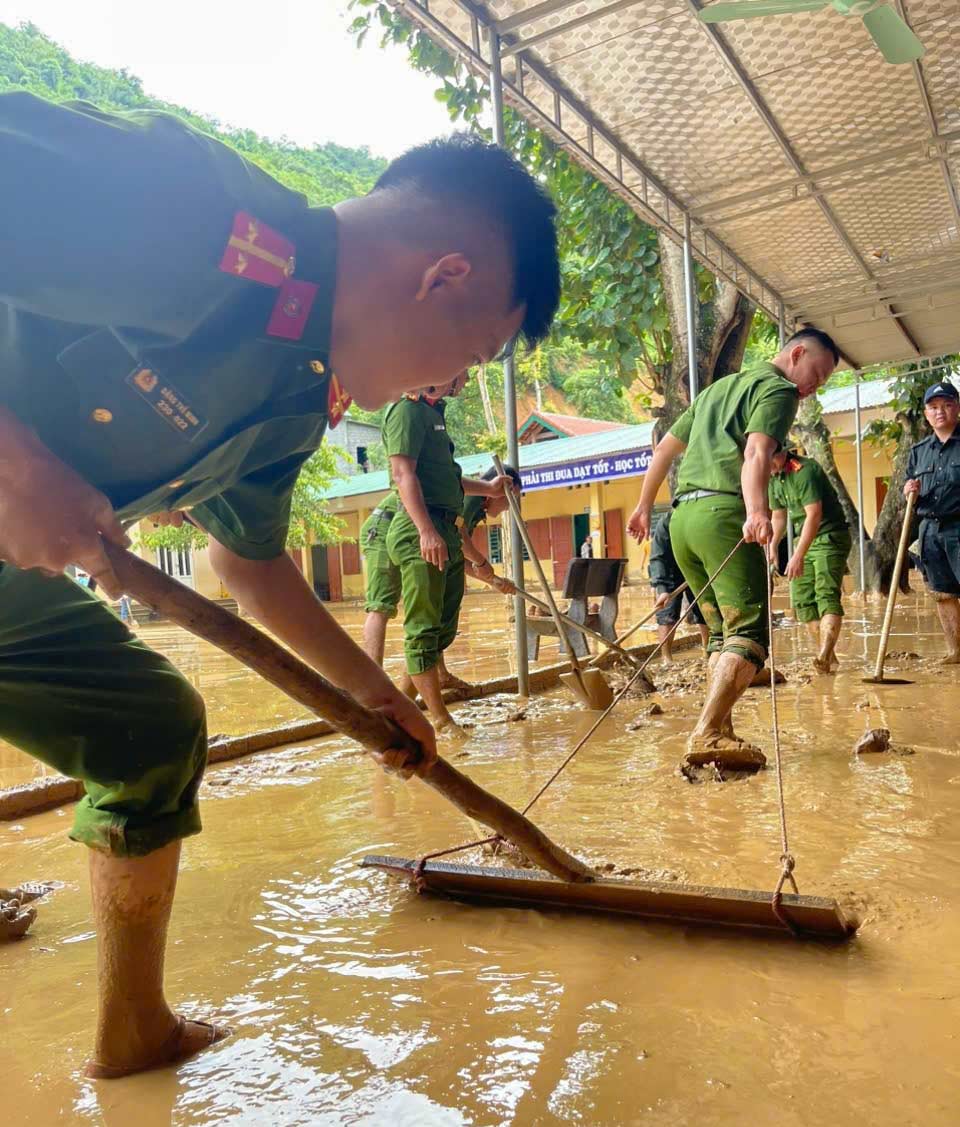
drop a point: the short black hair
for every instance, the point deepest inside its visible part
(484, 178)
(508, 470)
(823, 339)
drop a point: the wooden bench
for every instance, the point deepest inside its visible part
(585, 580)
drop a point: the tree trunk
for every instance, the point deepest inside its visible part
(722, 328)
(887, 533)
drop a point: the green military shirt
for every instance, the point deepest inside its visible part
(165, 315)
(715, 426)
(415, 429)
(803, 482)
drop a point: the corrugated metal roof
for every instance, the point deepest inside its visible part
(813, 172)
(552, 453)
(568, 425)
(875, 393)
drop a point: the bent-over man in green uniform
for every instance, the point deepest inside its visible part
(383, 584)
(800, 491)
(176, 330)
(729, 435)
(423, 540)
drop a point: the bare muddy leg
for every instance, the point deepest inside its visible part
(712, 740)
(666, 640)
(428, 684)
(136, 1029)
(704, 636)
(375, 635)
(826, 659)
(948, 608)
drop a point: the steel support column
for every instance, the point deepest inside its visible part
(510, 412)
(690, 308)
(861, 534)
(782, 337)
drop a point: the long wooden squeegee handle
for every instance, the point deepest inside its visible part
(538, 567)
(375, 731)
(894, 586)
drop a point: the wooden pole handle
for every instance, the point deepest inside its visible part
(377, 732)
(894, 585)
(538, 567)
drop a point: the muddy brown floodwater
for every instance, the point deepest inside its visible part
(355, 1001)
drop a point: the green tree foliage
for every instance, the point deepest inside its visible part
(29, 60)
(612, 303)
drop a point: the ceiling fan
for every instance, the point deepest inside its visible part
(891, 34)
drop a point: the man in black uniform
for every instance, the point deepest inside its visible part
(176, 330)
(933, 474)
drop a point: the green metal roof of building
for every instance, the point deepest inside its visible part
(873, 393)
(537, 454)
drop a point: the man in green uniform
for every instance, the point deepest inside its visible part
(933, 475)
(176, 329)
(801, 492)
(383, 583)
(423, 540)
(730, 434)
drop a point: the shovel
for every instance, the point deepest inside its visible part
(878, 677)
(588, 685)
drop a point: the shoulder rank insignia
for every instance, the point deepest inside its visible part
(257, 252)
(337, 402)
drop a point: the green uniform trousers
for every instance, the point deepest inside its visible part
(383, 586)
(817, 591)
(702, 532)
(431, 598)
(79, 692)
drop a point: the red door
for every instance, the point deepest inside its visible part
(561, 547)
(333, 574)
(613, 533)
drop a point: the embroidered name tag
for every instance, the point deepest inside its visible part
(439, 426)
(169, 404)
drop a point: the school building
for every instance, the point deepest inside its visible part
(581, 478)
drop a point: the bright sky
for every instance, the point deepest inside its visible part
(285, 68)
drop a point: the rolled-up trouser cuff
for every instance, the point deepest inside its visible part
(745, 647)
(120, 835)
(380, 608)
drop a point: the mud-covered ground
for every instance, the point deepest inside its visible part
(356, 1001)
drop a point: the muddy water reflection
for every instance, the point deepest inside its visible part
(355, 1001)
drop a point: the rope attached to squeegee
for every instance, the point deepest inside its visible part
(496, 839)
(787, 862)
(626, 688)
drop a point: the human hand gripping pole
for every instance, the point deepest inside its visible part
(392, 745)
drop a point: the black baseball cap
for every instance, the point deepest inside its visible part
(942, 390)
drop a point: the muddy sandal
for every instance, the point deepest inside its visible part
(171, 1052)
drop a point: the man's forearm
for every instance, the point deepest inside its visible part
(754, 480)
(779, 522)
(408, 486)
(470, 550)
(811, 526)
(477, 487)
(667, 450)
(279, 597)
